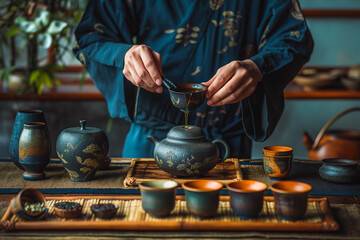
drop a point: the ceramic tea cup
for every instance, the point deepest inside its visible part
(277, 151)
(277, 167)
(30, 203)
(188, 96)
(158, 197)
(202, 197)
(246, 197)
(291, 199)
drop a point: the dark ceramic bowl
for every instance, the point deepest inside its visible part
(68, 209)
(290, 199)
(31, 196)
(246, 197)
(351, 84)
(158, 197)
(202, 197)
(277, 167)
(104, 210)
(277, 151)
(340, 170)
(189, 95)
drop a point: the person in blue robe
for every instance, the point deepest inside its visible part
(245, 52)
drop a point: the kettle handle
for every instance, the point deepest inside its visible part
(329, 123)
(226, 149)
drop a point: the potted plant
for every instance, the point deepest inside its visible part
(44, 30)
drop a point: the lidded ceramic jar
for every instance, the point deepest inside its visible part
(82, 150)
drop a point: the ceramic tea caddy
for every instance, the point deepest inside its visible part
(187, 152)
(82, 151)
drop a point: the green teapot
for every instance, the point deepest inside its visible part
(187, 152)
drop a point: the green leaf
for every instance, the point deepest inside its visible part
(78, 15)
(19, 20)
(44, 40)
(27, 26)
(43, 18)
(34, 76)
(12, 31)
(56, 27)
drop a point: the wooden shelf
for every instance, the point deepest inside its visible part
(331, 13)
(295, 92)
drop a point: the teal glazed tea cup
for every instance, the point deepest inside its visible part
(158, 197)
(246, 197)
(291, 199)
(202, 197)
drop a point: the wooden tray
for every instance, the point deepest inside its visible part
(131, 216)
(145, 169)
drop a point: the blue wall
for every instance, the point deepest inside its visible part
(337, 43)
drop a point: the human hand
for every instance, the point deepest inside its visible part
(232, 83)
(142, 67)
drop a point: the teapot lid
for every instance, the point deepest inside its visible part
(191, 132)
(83, 129)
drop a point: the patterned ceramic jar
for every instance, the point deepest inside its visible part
(82, 151)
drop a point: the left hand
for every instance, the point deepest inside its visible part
(232, 83)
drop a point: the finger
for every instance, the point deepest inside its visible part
(151, 64)
(229, 88)
(234, 96)
(158, 60)
(142, 72)
(219, 80)
(136, 80)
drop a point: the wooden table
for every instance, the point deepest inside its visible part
(345, 208)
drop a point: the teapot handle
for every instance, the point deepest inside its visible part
(329, 123)
(226, 149)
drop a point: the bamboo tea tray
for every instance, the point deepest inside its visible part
(145, 169)
(131, 216)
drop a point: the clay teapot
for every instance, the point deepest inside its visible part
(187, 152)
(334, 143)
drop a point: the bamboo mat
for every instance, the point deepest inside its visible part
(142, 170)
(131, 210)
(131, 216)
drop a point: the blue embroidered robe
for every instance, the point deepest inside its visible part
(195, 39)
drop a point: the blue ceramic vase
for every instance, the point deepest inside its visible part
(22, 117)
(34, 150)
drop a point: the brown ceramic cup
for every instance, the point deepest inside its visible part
(277, 167)
(30, 196)
(202, 197)
(246, 197)
(277, 151)
(291, 199)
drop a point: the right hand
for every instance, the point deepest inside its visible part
(142, 67)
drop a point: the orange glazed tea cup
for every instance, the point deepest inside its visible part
(277, 151)
(291, 199)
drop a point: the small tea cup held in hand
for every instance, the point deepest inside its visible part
(202, 197)
(246, 197)
(291, 199)
(158, 197)
(277, 161)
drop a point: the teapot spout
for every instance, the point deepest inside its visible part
(153, 139)
(308, 142)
